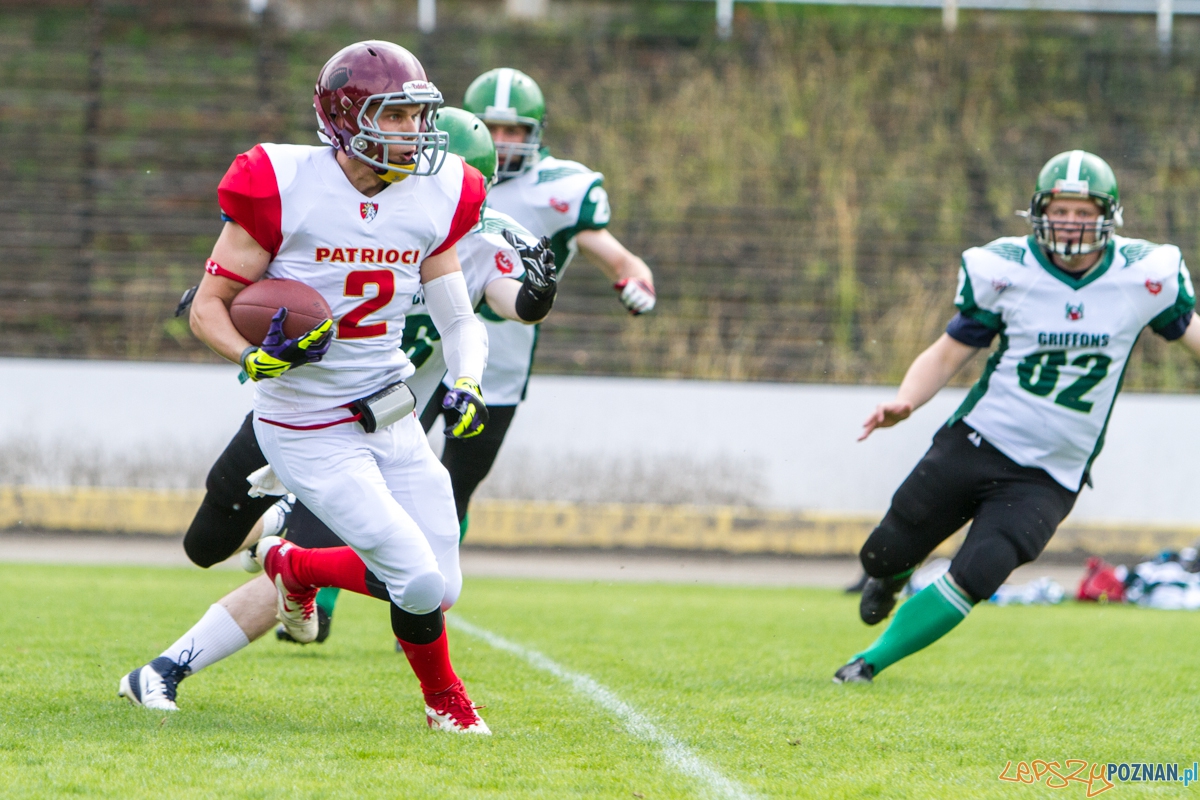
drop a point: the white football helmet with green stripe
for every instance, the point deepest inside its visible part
(506, 96)
(1075, 175)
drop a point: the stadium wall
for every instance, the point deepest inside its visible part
(589, 462)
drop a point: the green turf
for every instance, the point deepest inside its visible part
(741, 676)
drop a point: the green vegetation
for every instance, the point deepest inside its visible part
(802, 191)
(739, 676)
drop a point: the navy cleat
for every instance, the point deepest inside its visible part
(324, 622)
(857, 671)
(154, 685)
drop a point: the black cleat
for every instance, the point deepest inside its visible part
(879, 598)
(857, 671)
(324, 621)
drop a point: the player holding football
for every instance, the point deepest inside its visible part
(493, 256)
(334, 219)
(562, 200)
(1068, 303)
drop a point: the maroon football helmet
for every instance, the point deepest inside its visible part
(354, 88)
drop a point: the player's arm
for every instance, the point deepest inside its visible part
(928, 374)
(464, 341)
(629, 274)
(235, 253)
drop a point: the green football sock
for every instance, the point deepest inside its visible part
(327, 599)
(926, 617)
(462, 527)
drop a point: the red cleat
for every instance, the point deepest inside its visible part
(295, 603)
(451, 710)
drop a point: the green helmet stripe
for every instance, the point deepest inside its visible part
(504, 81)
(1073, 165)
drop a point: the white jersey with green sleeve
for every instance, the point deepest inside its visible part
(557, 199)
(1047, 392)
(485, 257)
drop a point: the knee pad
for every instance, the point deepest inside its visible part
(423, 594)
(451, 593)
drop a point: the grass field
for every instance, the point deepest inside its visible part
(739, 679)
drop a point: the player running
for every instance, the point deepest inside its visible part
(1068, 303)
(386, 187)
(562, 200)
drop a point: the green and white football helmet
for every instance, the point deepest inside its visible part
(506, 96)
(469, 139)
(1076, 175)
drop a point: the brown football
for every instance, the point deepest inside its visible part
(252, 309)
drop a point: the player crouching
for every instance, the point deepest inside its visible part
(1068, 303)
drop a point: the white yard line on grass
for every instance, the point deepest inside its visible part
(675, 752)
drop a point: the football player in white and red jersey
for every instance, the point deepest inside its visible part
(370, 223)
(502, 263)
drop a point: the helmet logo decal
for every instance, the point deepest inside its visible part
(503, 262)
(561, 206)
(1074, 313)
(338, 78)
(1153, 286)
(368, 210)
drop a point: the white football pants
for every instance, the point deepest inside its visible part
(385, 494)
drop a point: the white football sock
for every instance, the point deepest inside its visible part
(214, 637)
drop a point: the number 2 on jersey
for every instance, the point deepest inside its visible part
(356, 284)
(1038, 374)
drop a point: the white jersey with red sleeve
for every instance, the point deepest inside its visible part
(363, 254)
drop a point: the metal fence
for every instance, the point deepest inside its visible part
(801, 192)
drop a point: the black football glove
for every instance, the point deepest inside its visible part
(541, 276)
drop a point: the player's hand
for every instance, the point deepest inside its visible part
(278, 354)
(885, 416)
(538, 260)
(637, 295)
(465, 412)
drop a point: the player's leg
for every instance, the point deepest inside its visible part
(936, 499)
(227, 514)
(230, 624)
(306, 530)
(470, 460)
(340, 476)
(1019, 510)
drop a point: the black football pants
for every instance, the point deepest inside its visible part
(1015, 510)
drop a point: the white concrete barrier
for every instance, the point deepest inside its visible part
(786, 446)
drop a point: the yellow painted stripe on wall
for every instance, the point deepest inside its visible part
(512, 523)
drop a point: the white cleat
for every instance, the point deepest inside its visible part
(451, 710)
(154, 685)
(295, 603)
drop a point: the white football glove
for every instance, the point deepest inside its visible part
(637, 295)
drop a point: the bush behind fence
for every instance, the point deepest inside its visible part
(802, 192)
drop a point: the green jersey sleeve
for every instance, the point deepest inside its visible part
(1185, 303)
(965, 301)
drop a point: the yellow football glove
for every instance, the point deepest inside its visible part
(278, 354)
(466, 413)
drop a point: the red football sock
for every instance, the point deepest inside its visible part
(431, 663)
(339, 567)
